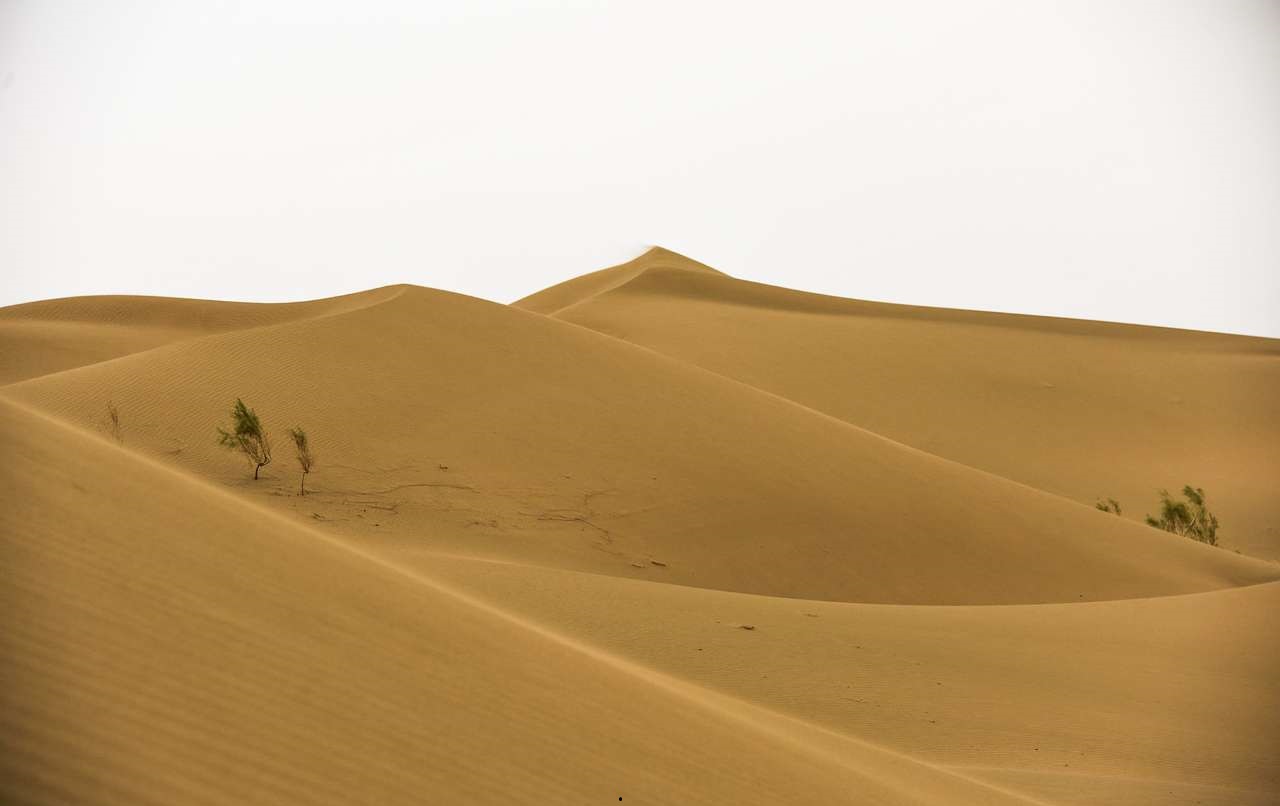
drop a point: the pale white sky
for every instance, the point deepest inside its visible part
(1113, 159)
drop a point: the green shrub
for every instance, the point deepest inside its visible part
(1190, 518)
(1108, 505)
(302, 449)
(247, 436)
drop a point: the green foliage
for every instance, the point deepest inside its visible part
(247, 436)
(305, 458)
(1190, 518)
(1108, 505)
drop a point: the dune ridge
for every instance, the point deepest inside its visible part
(564, 295)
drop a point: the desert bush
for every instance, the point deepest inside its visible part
(1190, 518)
(247, 436)
(302, 449)
(1108, 505)
(113, 421)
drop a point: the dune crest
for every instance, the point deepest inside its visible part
(580, 289)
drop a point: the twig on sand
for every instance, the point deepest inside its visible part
(399, 487)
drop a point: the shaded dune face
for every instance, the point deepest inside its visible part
(573, 449)
(1080, 409)
(654, 533)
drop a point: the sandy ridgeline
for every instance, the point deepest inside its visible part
(655, 534)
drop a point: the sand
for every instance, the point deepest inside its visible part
(1086, 410)
(655, 533)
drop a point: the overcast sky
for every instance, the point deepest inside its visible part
(1115, 160)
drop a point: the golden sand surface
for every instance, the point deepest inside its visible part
(655, 533)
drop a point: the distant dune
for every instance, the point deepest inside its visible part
(1081, 409)
(654, 533)
(45, 337)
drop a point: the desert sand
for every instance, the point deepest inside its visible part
(654, 534)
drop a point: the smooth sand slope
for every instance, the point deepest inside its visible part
(39, 338)
(167, 643)
(537, 539)
(1082, 409)
(1140, 701)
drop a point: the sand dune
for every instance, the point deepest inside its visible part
(1081, 409)
(564, 295)
(44, 337)
(575, 450)
(161, 652)
(654, 533)
(1134, 701)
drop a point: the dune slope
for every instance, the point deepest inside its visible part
(166, 643)
(451, 423)
(39, 338)
(1080, 409)
(1142, 701)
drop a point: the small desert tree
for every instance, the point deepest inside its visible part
(113, 421)
(1108, 505)
(1190, 518)
(305, 458)
(247, 436)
